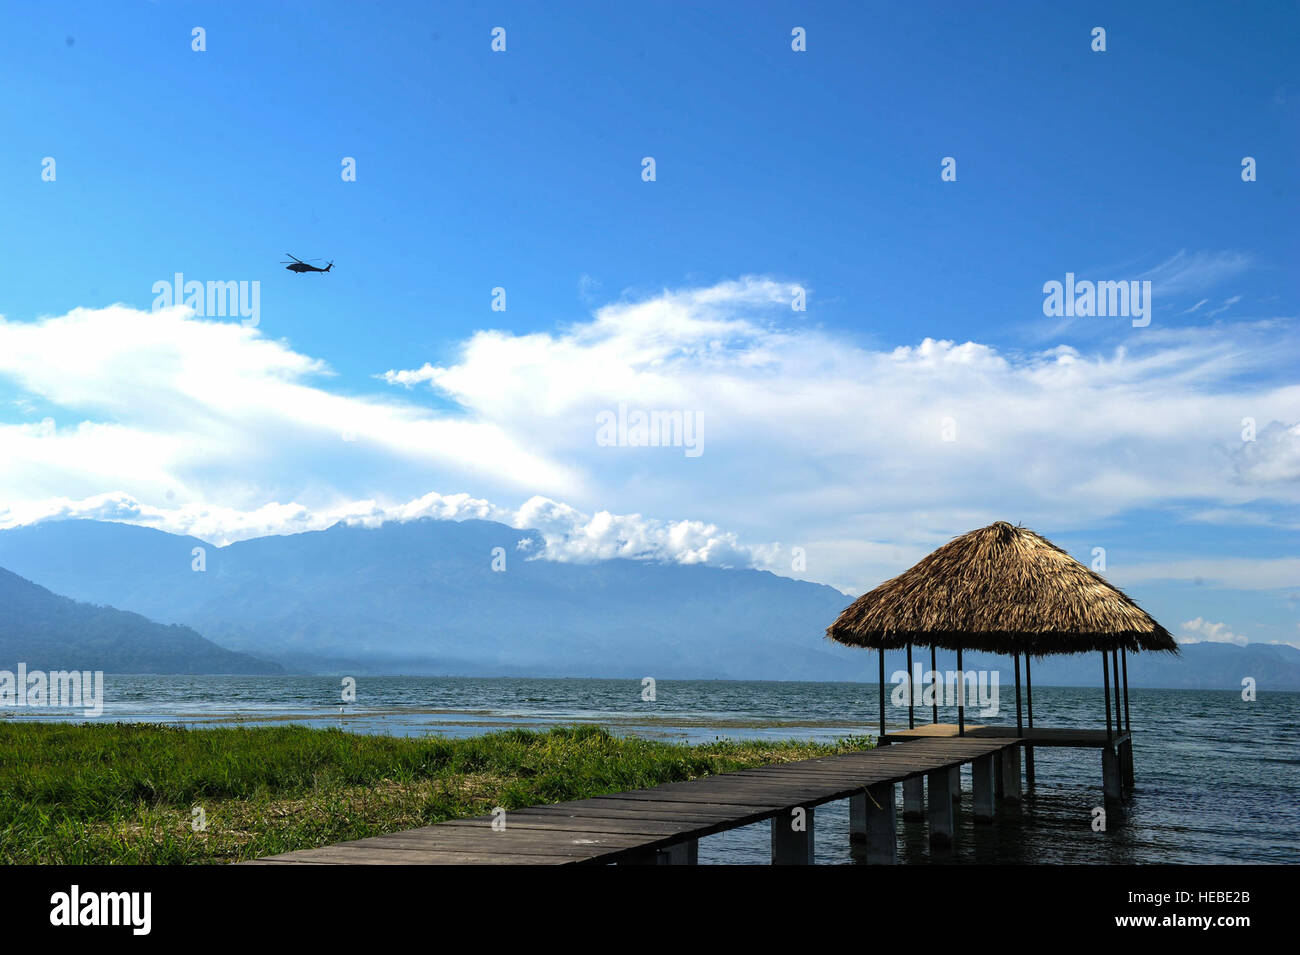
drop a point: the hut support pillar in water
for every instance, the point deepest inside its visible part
(1105, 683)
(961, 696)
(911, 691)
(882, 693)
(1029, 701)
(1020, 723)
(1111, 778)
(934, 668)
(1119, 711)
(981, 771)
(914, 798)
(792, 838)
(1126, 763)
(1122, 720)
(941, 814)
(1128, 719)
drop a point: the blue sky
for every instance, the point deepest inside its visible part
(775, 168)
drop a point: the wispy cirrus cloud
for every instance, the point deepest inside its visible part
(1191, 272)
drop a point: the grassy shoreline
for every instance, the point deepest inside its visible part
(126, 793)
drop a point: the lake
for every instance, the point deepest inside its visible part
(1218, 778)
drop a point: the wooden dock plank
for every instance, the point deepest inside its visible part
(620, 826)
(340, 855)
(525, 819)
(1038, 736)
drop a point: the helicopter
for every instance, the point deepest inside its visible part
(298, 265)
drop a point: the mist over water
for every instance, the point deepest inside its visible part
(1218, 779)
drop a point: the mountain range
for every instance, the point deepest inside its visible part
(49, 632)
(471, 598)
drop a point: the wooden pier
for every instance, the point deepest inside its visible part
(663, 825)
(1116, 746)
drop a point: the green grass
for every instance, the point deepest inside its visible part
(125, 793)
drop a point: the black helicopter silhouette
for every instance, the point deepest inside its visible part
(300, 266)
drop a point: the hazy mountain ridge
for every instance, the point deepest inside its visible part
(50, 632)
(422, 597)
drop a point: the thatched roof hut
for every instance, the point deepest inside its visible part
(1000, 589)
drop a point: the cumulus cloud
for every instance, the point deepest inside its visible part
(864, 458)
(568, 534)
(408, 379)
(572, 535)
(159, 402)
(814, 438)
(1272, 458)
(1203, 631)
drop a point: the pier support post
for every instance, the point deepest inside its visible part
(914, 798)
(982, 788)
(683, 853)
(792, 837)
(882, 825)
(1126, 760)
(1011, 774)
(940, 799)
(1111, 780)
(858, 818)
(954, 785)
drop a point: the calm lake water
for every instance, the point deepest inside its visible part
(1218, 779)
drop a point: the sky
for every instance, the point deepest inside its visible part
(835, 279)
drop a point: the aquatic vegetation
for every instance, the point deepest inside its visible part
(143, 793)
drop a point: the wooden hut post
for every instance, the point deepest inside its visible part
(882, 693)
(934, 672)
(1114, 667)
(1128, 720)
(961, 696)
(1029, 703)
(1105, 682)
(1126, 751)
(1020, 725)
(911, 688)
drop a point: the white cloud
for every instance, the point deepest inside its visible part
(1272, 458)
(1236, 573)
(1227, 304)
(814, 440)
(569, 534)
(408, 379)
(158, 402)
(1185, 272)
(1203, 631)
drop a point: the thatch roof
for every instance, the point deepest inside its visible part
(1001, 589)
